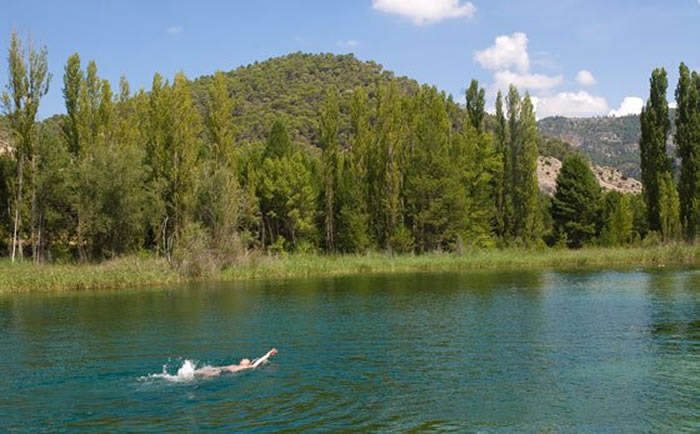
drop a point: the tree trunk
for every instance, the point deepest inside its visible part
(34, 237)
(18, 202)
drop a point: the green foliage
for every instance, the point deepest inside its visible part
(687, 139)
(669, 208)
(287, 195)
(656, 128)
(575, 206)
(476, 101)
(618, 220)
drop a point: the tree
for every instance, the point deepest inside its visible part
(575, 206)
(174, 129)
(525, 202)
(72, 80)
(618, 219)
(501, 181)
(28, 83)
(476, 101)
(656, 127)
(433, 201)
(219, 121)
(330, 147)
(669, 208)
(388, 156)
(687, 139)
(287, 195)
(353, 217)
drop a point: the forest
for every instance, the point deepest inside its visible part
(197, 171)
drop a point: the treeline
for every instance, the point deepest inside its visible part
(161, 171)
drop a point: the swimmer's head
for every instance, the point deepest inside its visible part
(244, 362)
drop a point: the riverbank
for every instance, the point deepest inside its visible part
(137, 271)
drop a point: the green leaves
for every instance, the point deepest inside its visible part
(575, 206)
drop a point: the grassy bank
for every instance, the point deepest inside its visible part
(135, 271)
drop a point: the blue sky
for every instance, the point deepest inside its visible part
(537, 44)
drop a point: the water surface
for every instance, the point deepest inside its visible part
(488, 352)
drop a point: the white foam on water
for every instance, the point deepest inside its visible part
(185, 373)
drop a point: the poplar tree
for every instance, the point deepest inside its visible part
(387, 190)
(330, 112)
(219, 120)
(528, 224)
(353, 218)
(220, 199)
(501, 184)
(669, 208)
(72, 80)
(476, 101)
(432, 193)
(28, 82)
(656, 126)
(687, 139)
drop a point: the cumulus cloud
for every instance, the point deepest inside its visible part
(507, 51)
(526, 81)
(586, 78)
(350, 43)
(570, 104)
(631, 105)
(174, 30)
(426, 11)
(508, 57)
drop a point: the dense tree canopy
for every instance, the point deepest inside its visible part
(309, 153)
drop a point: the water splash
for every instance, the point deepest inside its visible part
(186, 372)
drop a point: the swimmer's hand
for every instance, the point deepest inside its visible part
(264, 358)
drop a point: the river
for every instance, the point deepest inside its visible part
(487, 351)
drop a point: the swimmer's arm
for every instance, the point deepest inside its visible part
(264, 358)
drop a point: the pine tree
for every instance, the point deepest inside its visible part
(687, 139)
(575, 206)
(656, 127)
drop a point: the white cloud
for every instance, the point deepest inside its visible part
(631, 105)
(570, 104)
(526, 81)
(350, 43)
(426, 11)
(174, 30)
(507, 51)
(586, 78)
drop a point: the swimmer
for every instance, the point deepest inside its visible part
(244, 364)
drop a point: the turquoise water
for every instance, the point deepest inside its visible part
(487, 352)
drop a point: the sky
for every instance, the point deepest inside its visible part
(575, 57)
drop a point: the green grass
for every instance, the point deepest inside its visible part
(133, 271)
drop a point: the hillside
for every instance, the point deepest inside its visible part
(292, 87)
(608, 141)
(610, 179)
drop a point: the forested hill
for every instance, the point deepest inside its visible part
(609, 141)
(292, 88)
